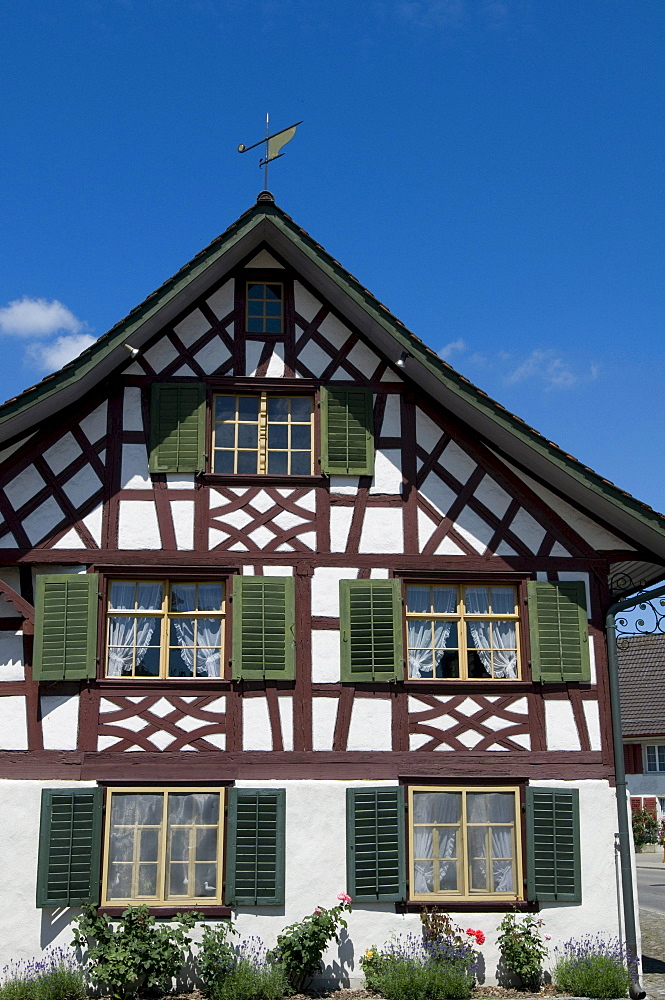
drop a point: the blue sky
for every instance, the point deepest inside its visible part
(492, 170)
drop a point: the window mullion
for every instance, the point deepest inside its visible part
(463, 862)
(262, 457)
(165, 627)
(162, 873)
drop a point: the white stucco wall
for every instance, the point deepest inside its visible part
(315, 873)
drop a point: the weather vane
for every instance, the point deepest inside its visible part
(273, 143)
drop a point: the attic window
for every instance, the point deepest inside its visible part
(264, 307)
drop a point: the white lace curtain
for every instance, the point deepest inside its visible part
(122, 641)
(503, 637)
(420, 646)
(445, 810)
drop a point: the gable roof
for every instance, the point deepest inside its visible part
(506, 433)
(642, 685)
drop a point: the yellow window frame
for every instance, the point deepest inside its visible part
(461, 616)
(463, 861)
(162, 898)
(262, 423)
(165, 617)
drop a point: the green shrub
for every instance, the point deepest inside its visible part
(55, 976)
(217, 956)
(300, 946)
(592, 967)
(522, 950)
(136, 956)
(645, 828)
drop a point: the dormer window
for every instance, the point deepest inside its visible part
(264, 307)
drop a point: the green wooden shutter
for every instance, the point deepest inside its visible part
(70, 841)
(263, 628)
(553, 845)
(559, 631)
(66, 608)
(255, 847)
(375, 863)
(177, 427)
(347, 432)
(371, 630)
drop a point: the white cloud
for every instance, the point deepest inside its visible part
(553, 371)
(455, 346)
(28, 317)
(52, 356)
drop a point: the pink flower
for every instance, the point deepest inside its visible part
(548, 937)
(344, 897)
(318, 910)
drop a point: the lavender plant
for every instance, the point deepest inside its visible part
(410, 968)
(55, 976)
(244, 971)
(593, 966)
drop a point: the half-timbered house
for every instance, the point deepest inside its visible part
(289, 607)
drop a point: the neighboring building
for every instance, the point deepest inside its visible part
(642, 682)
(310, 613)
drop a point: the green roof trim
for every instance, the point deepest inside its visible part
(465, 390)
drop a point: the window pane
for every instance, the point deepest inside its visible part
(210, 597)
(151, 597)
(421, 663)
(273, 326)
(278, 408)
(278, 463)
(420, 635)
(301, 463)
(476, 600)
(278, 436)
(255, 291)
(247, 462)
(273, 308)
(183, 597)
(181, 662)
(273, 292)
(225, 407)
(661, 758)
(503, 600)
(205, 876)
(417, 599)
(424, 876)
(147, 880)
(447, 665)
(149, 844)
(224, 461)
(301, 437)
(119, 882)
(437, 807)
(248, 408)
(503, 876)
(444, 600)
(206, 844)
(225, 435)
(147, 662)
(248, 435)
(123, 594)
(132, 808)
(301, 408)
(651, 758)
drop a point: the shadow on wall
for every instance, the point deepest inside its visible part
(337, 973)
(54, 923)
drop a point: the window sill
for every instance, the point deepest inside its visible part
(261, 479)
(469, 906)
(166, 912)
(200, 683)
